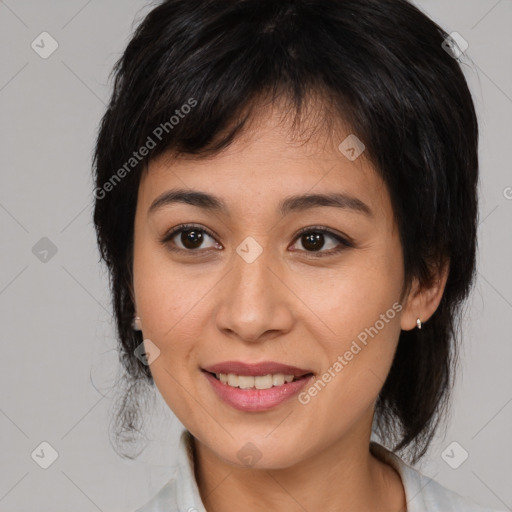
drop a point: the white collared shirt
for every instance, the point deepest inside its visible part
(181, 494)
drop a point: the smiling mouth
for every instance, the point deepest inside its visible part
(257, 382)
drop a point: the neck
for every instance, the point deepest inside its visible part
(343, 477)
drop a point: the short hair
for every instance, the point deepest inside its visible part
(196, 71)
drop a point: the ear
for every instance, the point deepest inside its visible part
(422, 302)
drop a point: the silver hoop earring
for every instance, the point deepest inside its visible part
(136, 325)
(418, 323)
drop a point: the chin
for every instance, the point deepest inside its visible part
(258, 452)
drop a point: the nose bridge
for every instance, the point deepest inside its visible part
(252, 279)
(252, 304)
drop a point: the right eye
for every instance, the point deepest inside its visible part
(191, 237)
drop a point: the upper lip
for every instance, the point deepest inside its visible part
(257, 369)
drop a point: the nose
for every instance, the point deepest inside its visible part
(255, 304)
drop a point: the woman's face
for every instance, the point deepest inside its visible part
(243, 285)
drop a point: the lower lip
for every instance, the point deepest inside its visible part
(255, 400)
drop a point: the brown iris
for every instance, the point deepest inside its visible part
(192, 238)
(313, 241)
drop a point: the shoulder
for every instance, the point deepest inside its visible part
(423, 494)
(180, 493)
(163, 501)
(437, 497)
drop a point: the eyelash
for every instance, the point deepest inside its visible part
(344, 242)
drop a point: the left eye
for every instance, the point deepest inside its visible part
(313, 239)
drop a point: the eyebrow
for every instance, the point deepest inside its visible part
(290, 204)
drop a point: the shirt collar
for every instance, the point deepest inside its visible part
(412, 481)
(187, 492)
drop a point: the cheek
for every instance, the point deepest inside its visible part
(165, 302)
(167, 297)
(363, 319)
(357, 360)
(353, 296)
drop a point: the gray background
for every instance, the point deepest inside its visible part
(59, 361)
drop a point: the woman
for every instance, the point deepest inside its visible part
(286, 199)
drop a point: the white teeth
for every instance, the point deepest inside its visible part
(278, 379)
(233, 380)
(245, 382)
(248, 382)
(263, 382)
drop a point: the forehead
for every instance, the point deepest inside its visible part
(268, 161)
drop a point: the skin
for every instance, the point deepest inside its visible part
(286, 306)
